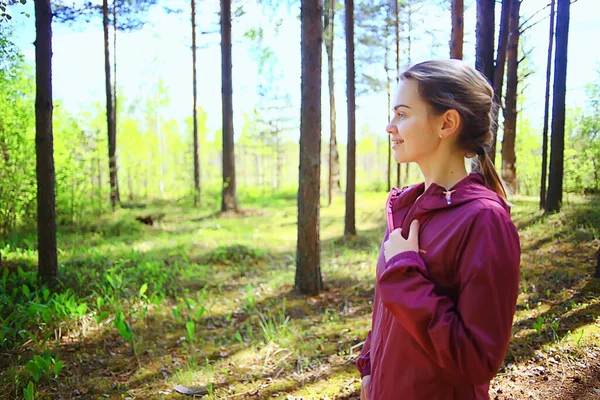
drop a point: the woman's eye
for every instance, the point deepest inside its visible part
(400, 115)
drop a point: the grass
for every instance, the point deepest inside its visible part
(206, 301)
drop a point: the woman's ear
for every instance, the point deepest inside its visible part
(450, 123)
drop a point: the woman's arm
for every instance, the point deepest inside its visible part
(469, 338)
(363, 363)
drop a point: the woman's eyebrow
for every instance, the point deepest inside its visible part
(401, 105)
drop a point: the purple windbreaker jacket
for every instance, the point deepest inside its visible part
(442, 317)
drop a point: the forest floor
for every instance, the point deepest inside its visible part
(206, 301)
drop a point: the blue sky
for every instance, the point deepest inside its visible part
(162, 49)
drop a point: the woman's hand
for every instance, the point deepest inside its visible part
(396, 244)
(365, 387)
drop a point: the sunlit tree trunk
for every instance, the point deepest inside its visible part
(46, 200)
(546, 111)
(557, 144)
(457, 35)
(350, 224)
(308, 269)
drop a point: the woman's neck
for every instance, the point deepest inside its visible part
(444, 171)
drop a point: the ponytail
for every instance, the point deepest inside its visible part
(490, 175)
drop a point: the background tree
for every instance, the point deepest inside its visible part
(456, 38)
(334, 158)
(547, 111)
(308, 265)
(484, 38)
(555, 181)
(46, 214)
(229, 196)
(350, 223)
(499, 69)
(509, 158)
(197, 193)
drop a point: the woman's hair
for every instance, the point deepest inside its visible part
(452, 84)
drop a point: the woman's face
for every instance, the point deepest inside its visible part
(412, 128)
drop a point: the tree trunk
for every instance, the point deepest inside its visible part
(195, 111)
(46, 200)
(110, 114)
(397, 31)
(457, 36)
(115, 79)
(484, 38)
(409, 56)
(334, 158)
(308, 269)
(509, 158)
(229, 197)
(350, 223)
(499, 70)
(389, 106)
(557, 144)
(546, 111)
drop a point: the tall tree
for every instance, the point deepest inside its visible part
(499, 69)
(308, 268)
(195, 109)
(484, 38)
(229, 197)
(557, 144)
(509, 158)
(46, 200)
(458, 29)
(350, 223)
(397, 32)
(334, 158)
(110, 113)
(546, 111)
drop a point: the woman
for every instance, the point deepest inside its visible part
(448, 271)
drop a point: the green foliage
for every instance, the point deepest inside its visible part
(234, 255)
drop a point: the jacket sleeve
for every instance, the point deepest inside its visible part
(469, 338)
(363, 363)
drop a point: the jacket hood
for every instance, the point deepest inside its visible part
(470, 188)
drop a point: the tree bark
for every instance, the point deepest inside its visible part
(229, 197)
(509, 158)
(397, 31)
(46, 200)
(350, 223)
(334, 158)
(557, 144)
(308, 269)
(546, 111)
(197, 192)
(499, 70)
(457, 35)
(110, 114)
(484, 38)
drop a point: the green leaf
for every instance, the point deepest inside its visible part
(23, 1)
(103, 315)
(57, 368)
(143, 289)
(29, 391)
(25, 290)
(5, 275)
(100, 302)
(33, 370)
(42, 363)
(122, 327)
(45, 293)
(189, 326)
(81, 309)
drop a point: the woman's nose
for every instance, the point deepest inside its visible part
(391, 128)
